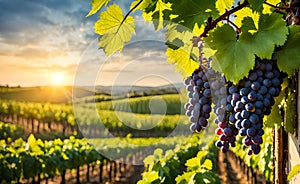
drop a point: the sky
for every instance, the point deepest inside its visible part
(51, 42)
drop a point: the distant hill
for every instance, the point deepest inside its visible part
(65, 94)
(121, 90)
(44, 94)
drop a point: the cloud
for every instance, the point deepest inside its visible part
(40, 37)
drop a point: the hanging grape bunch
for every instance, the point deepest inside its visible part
(240, 108)
(254, 99)
(199, 106)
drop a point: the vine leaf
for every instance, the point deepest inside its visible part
(113, 32)
(181, 51)
(246, 12)
(288, 58)
(190, 12)
(185, 64)
(233, 58)
(291, 114)
(268, 9)
(256, 5)
(96, 6)
(156, 11)
(271, 31)
(223, 5)
(295, 170)
(142, 6)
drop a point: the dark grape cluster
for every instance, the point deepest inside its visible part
(199, 106)
(240, 108)
(253, 98)
(226, 130)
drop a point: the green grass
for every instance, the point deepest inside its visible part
(161, 104)
(44, 94)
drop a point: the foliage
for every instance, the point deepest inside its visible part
(202, 168)
(26, 159)
(262, 32)
(10, 132)
(168, 167)
(295, 170)
(119, 116)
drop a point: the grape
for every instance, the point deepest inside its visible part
(246, 123)
(219, 144)
(219, 131)
(228, 132)
(245, 114)
(240, 108)
(251, 132)
(257, 139)
(222, 124)
(199, 93)
(250, 107)
(255, 86)
(252, 96)
(223, 138)
(232, 89)
(254, 118)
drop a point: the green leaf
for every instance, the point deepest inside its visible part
(113, 32)
(288, 58)
(191, 12)
(233, 58)
(148, 160)
(223, 5)
(246, 12)
(271, 32)
(268, 9)
(193, 163)
(158, 12)
(207, 164)
(184, 62)
(295, 170)
(184, 178)
(96, 6)
(142, 6)
(181, 51)
(256, 5)
(151, 176)
(291, 113)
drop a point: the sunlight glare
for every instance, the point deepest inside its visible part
(57, 78)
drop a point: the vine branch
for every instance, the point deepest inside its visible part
(128, 13)
(210, 24)
(277, 7)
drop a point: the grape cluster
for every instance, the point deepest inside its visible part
(240, 108)
(253, 98)
(226, 130)
(199, 106)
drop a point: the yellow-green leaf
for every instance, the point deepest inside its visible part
(295, 170)
(223, 5)
(113, 31)
(96, 6)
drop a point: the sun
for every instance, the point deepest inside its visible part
(57, 78)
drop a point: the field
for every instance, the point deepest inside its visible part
(136, 130)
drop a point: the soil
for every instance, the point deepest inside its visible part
(130, 174)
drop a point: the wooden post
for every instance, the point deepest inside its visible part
(278, 156)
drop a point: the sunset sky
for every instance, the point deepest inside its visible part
(42, 42)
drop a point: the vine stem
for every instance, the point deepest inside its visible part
(210, 24)
(277, 7)
(128, 13)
